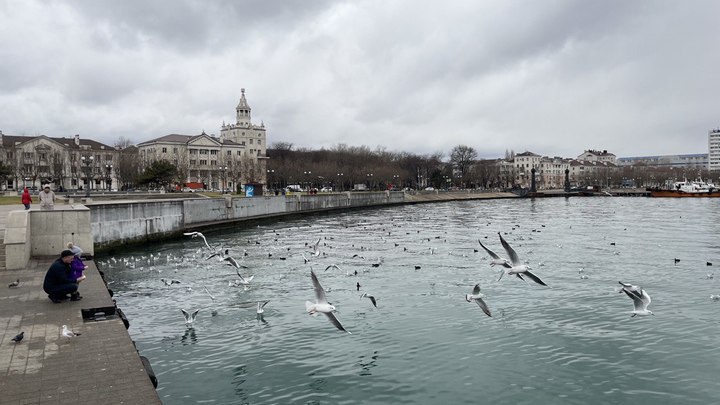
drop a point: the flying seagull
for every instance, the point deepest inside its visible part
(197, 234)
(321, 304)
(68, 333)
(477, 298)
(496, 260)
(640, 298)
(168, 283)
(517, 266)
(18, 337)
(190, 318)
(370, 297)
(316, 248)
(232, 262)
(14, 284)
(261, 306)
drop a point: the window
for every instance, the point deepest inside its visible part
(203, 162)
(175, 150)
(213, 163)
(193, 161)
(9, 155)
(203, 151)
(229, 153)
(193, 151)
(259, 141)
(164, 150)
(239, 153)
(43, 156)
(213, 152)
(27, 155)
(251, 141)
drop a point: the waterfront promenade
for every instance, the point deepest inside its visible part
(100, 366)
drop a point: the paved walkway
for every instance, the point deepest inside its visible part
(100, 366)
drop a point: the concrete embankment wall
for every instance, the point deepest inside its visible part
(118, 223)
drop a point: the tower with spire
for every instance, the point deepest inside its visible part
(244, 132)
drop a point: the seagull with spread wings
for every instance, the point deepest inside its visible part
(517, 267)
(321, 304)
(197, 234)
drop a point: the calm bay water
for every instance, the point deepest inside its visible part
(571, 343)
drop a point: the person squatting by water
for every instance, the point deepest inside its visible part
(59, 279)
(26, 199)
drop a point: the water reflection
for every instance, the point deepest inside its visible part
(189, 337)
(367, 365)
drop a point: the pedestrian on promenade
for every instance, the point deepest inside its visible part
(59, 281)
(26, 199)
(47, 199)
(77, 265)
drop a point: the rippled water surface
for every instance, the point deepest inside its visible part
(573, 342)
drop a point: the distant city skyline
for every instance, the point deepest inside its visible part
(555, 79)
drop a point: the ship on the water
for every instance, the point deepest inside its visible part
(696, 188)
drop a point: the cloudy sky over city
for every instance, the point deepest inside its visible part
(553, 77)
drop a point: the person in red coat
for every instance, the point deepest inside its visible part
(26, 199)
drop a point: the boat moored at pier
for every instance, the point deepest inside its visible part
(680, 189)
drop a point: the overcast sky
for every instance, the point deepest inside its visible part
(551, 77)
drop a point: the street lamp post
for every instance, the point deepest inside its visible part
(396, 178)
(108, 167)
(308, 182)
(87, 161)
(224, 178)
(340, 180)
(271, 175)
(370, 176)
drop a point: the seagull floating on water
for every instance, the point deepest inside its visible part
(68, 333)
(640, 298)
(517, 266)
(190, 318)
(321, 304)
(478, 299)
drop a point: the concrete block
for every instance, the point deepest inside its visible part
(16, 235)
(17, 219)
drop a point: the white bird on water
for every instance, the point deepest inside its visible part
(517, 266)
(197, 234)
(190, 318)
(68, 333)
(640, 298)
(478, 299)
(321, 304)
(316, 248)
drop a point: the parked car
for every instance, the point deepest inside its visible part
(188, 190)
(326, 190)
(429, 189)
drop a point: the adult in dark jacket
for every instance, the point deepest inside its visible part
(59, 281)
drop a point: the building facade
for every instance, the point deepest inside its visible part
(63, 163)
(691, 161)
(236, 157)
(714, 149)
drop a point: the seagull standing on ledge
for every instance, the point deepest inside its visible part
(321, 304)
(68, 333)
